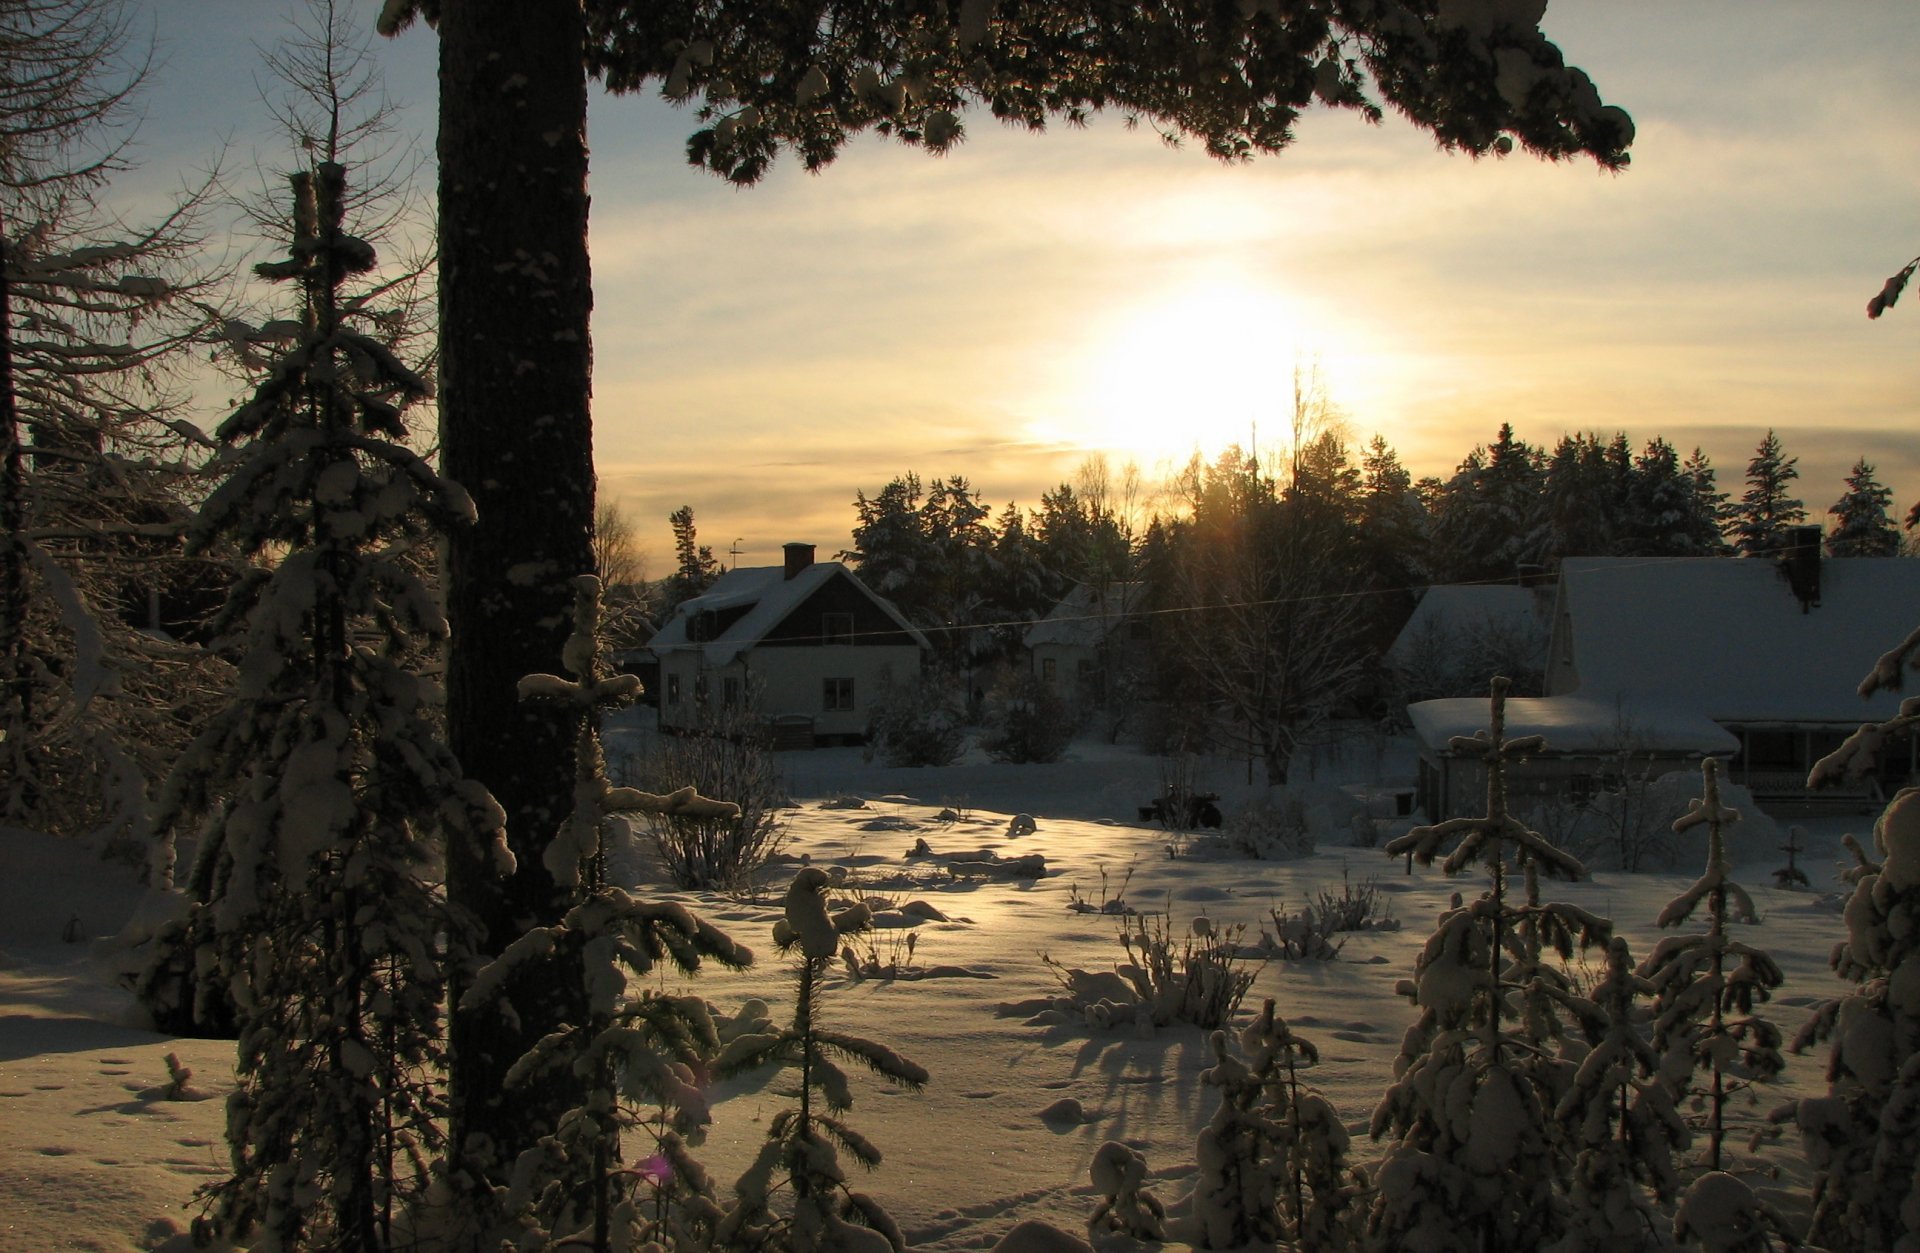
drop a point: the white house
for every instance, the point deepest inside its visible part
(1657, 662)
(811, 642)
(1091, 635)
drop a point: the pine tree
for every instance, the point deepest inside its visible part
(1473, 1160)
(1662, 511)
(802, 1153)
(694, 567)
(1708, 515)
(1765, 511)
(1706, 986)
(1862, 527)
(324, 791)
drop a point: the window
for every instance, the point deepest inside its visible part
(1049, 670)
(673, 689)
(836, 628)
(730, 692)
(837, 695)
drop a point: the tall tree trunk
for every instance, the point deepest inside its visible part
(16, 700)
(515, 432)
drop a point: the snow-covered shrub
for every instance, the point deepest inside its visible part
(1474, 1158)
(1706, 986)
(1199, 977)
(1026, 721)
(1119, 1175)
(1863, 1137)
(728, 754)
(802, 1152)
(1272, 1160)
(916, 724)
(1722, 1215)
(1270, 829)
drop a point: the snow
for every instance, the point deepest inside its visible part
(768, 595)
(1019, 1105)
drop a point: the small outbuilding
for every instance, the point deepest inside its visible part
(1657, 662)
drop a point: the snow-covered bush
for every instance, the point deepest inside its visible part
(1272, 1160)
(916, 724)
(820, 1214)
(1119, 1175)
(1199, 977)
(1706, 986)
(1270, 829)
(1474, 1158)
(1722, 1215)
(728, 754)
(1026, 721)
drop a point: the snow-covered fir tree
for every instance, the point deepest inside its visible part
(1863, 1137)
(1861, 526)
(820, 1213)
(1273, 1158)
(1760, 519)
(1474, 1161)
(643, 1055)
(321, 796)
(1706, 986)
(1619, 1121)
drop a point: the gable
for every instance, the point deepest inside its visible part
(806, 624)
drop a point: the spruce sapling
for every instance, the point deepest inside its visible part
(1619, 1121)
(1706, 986)
(1473, 1154)
(575, 1188)
(324, 792)
(823, 1215)
(1272, 1161)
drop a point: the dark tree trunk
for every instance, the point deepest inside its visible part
(15, 679)
(515, 432)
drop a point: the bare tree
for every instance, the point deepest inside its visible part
(94, 314)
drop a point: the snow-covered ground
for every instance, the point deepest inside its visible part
(94, 1155)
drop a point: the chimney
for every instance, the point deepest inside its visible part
(1800, 559)
(799, 557)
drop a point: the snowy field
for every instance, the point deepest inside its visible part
(94, 1155)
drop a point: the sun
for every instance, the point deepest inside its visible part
(1196, 368)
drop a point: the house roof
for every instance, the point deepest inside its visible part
(1086, 615)
(1457, 609)
(1577, 724)
(1726, 637)
(768, 596)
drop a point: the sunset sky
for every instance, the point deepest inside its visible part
(1004, 311)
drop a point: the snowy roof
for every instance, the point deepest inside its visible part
(768, 596)
(1726, 636)
(1457, 609)
(1086, 615)
(1576, 724)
